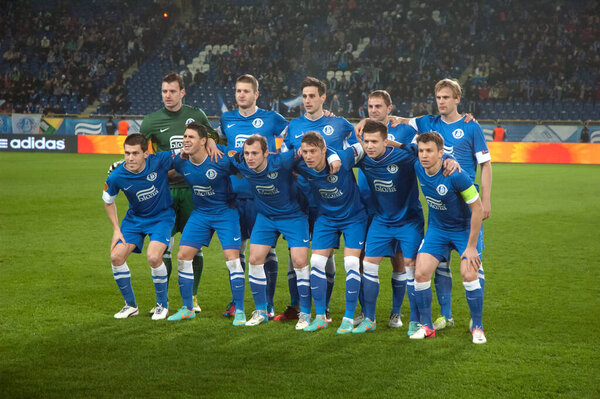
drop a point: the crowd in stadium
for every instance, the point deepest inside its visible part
(540, 50)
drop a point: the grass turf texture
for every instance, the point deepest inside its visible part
(58, 297)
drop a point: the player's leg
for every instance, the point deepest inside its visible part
(398, 281)
(473, 289)
(159, 277)
(185, 279)
(299, 255)
(271, 268)
(318, 287)
(409, 239)
(443, 291)
(370, 287)
(425, 266)
(330, 273)
(122, 276)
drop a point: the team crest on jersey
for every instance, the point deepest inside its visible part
(151, 176)
(328, 130)
(332, 178)
(176, 142)
(273, 175)
(392, 168)
(240, 139)
(189, 120)
(211, 174)
(441, 189)
(391, 137)
(458, 134)
(257, 123)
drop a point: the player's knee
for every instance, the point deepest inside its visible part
(155, 259)
(422, 276)
(117, 259)
(468, 274)
(299, 261)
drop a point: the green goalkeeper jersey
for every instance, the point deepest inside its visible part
(166, 128)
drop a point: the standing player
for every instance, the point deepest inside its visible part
(237, 126)
(340, 211)
(455, 216)
(338, 134)
(466, 142)
(165, 128)
(214, 210)
(277, 212)
(143, 179)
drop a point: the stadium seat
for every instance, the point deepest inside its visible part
(330, 74)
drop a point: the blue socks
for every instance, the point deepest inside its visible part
(474, 293)
(123, 279)
(423, 298)
(370, 284)
(271, 267)
(318, 282)
(398, 290)
(410, 291)
(258, 286)
(293, 284)
(443, 288)
(186, 280)
(237, 282)
(352, 266)
(160, 279)
(330, 273)
(303, 278)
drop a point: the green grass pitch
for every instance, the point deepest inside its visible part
(57, 298)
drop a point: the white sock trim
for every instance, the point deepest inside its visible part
(422, 286)
(472, 285)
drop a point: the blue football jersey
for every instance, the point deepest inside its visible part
(337, 194)
(237, 128)
(404, 134)
(393, 183)
(148, 191)
(465, 141)
(209, 181)
(337, 132)
(447, 209)
(273, 186)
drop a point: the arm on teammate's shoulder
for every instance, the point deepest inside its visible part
(486, 188)
(450, 165)
(213, 151)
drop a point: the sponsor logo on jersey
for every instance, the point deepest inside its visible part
(441, 190)
(328, 130)
(332, 179)
(211, 174)
(330, 193)
(435, 204)
(203, 191)
(146, 194)
(240, 139)
(189, 120)
(175, 142)
(151, 176)
(458, 134)
(384, 186)
(273, 175)
(257, 123)
(448, 149)
(392, 168)
(267, 190)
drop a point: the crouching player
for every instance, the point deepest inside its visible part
(214, 210)
(340, 211)
(455, 215)
(143, 179)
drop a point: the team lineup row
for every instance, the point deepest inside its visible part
(268, 201)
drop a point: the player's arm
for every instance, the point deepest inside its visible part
(471, 197)
(486, 188)
(203, 120)
(111, 212)
(213, 151)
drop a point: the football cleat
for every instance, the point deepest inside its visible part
(413, 326)
(328, 318)
(182, 314)
(290, 313)
(359, 319)
(364, 326)
(240, 318)
(346, 326)
(127, 311)
(196, 306)
(479, 336)
(303, 321)
(395, 320)
(151, 311)
(319, 323)
(442, 322)
(229, 310)
(160, 312)
(270, 312)
(423, 332)
(258, 317)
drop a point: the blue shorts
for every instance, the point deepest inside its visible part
(384, 239)
(326, 233)
(201, 225)
(294, 230)
(247, 212)
(439, 242)
(136, 228)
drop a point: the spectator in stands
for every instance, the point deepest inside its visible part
(585, 133)
(499, 133)
(111, 126)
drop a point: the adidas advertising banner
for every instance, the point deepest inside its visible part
(38, 143)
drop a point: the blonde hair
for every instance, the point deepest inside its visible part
(452, 84)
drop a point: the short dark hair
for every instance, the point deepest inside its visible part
(247, 78)
(310, 82)
(431, 136)
(174, 77)
(372, 126)
(314, 139)
(198, 128)
(136, 139)
(384, 95)
(257, 138)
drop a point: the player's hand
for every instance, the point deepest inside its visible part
(114, 166)
(334, 167)
(469, 118)
(358, 129)
(472, 257)
(397, 120)
(450, 166)
(174, 177)
(213, 152)
(117, 236)
(487, 208)
(328, 113)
